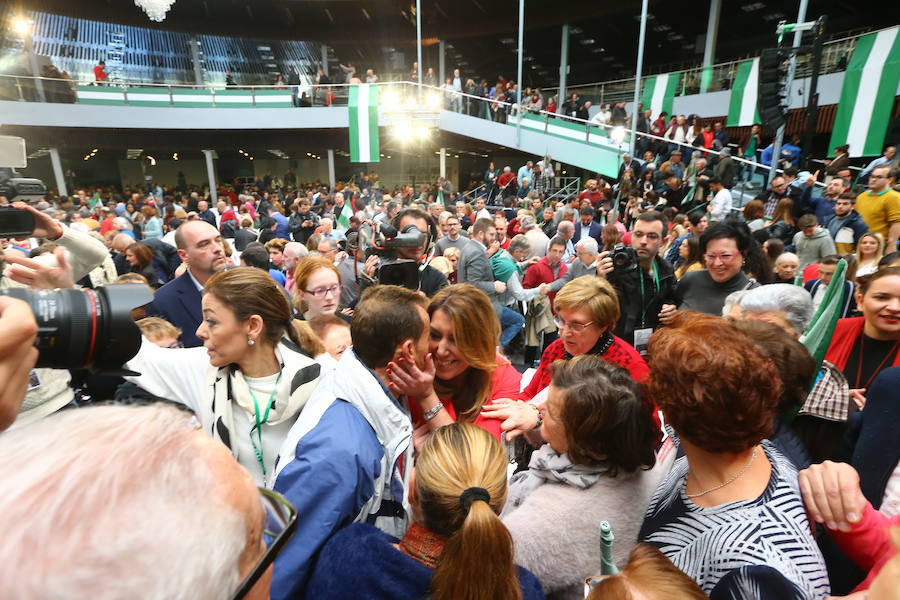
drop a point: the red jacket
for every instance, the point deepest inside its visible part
(99, 73)
(867, 544)
(505, 178)
(620, 353)
(846, 332)
(505, 383)
(541, 272)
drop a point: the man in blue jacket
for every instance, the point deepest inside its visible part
(348, 457)
(201, 247)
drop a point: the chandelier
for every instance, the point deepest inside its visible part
(156, 9)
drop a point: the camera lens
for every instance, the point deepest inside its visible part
(86, 329)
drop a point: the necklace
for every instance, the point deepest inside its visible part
(731, 480)
(859, 367)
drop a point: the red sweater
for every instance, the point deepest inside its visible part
(541, 272)
(867, 543)
(505, 383)
(846, 332)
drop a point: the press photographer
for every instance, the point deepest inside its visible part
(399, 254)
(643, 280)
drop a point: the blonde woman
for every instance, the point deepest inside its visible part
(456, 548)
(468, 372)
(869, 250)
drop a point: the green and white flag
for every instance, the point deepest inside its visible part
(364, 146)
(867, 96)
(659, 93)
(742, 109)
(817, 336)
(343, 220)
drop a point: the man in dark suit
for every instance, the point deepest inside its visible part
(201, 248)
(587, 227)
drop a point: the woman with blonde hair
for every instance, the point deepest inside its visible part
(457, 548)
(468, 373)
(250, 379)
(869, 250)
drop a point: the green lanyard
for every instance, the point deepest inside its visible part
(259, 422)
(644, 305)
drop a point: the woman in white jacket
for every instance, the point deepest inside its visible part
(249, 381)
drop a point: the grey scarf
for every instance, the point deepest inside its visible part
(548, 466)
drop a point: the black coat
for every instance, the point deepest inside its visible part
(628, 287)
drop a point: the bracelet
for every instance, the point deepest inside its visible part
(540, 419)
(433, 411)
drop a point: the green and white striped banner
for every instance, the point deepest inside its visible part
(742, 110)
(659, 93)
(867, 96)
(364, 146)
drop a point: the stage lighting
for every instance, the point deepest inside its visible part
(22, 26)
(403, 131)
(422, 131)
(411, 102)
(390, 99)
(433, 100)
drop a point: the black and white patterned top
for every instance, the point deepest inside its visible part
(722, 547)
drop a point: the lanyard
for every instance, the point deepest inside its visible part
(259, 422)
(645, 305)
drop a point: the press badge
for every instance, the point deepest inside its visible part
(641, 339)
(34, 382)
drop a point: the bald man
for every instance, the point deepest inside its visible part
(202, 249)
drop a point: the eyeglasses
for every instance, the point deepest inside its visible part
(322, 292)
(576, 327)
(725, 258)
(281, 521)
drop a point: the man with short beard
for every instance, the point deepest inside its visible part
(846, 226)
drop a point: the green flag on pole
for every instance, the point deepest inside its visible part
(343, 220)
(364, 146)
(659, 93)
(742, 110)
(867, 96)
(817, 336)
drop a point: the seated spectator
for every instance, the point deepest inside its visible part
(123, 488)
(456, 546)
(724, 248)
(318, 287)
(649, 575)
(817, 287)
(468, 373)
(703, 368)
(597, 464)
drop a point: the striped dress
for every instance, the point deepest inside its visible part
(760, 549)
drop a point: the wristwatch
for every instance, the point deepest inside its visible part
(433, 411)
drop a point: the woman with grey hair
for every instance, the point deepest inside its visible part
(789, 307)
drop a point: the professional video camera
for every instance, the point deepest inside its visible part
(383, 240)
(77, 328)
(624, 257)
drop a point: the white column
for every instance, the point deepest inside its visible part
(58, 172)
(443, 162)
(709, 50)
(332, 180)
(442, 66)
(211, 174)
(637, 77)
(563, 68)
(325, 59)
(195, 60)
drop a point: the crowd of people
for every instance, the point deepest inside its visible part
(295, 423)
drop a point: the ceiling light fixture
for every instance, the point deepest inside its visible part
(156, 9)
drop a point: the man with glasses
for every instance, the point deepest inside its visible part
(453, 237)
(771, 197)
(135, 498)
(643, 288)
(880, 207)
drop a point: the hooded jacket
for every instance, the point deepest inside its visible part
(846, 231)
(347, 459)
(810, 250)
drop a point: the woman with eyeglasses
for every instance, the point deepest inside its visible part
(457, 546)
(468, 375)
(318, 287)
(598, 464)
(587, 310)
(724, 249)
(250, 379)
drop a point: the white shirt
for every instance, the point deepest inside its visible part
(721, 205)
(484, 213)
(890, 504)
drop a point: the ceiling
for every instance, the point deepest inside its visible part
(482, 34)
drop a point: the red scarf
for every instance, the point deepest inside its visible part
(423, 545)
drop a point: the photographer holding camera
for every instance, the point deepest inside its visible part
(643, 280)
(78, 255)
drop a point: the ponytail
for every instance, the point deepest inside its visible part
(482, 550)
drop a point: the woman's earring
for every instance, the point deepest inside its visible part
(250, 341)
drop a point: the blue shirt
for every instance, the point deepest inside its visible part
(282, 230)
